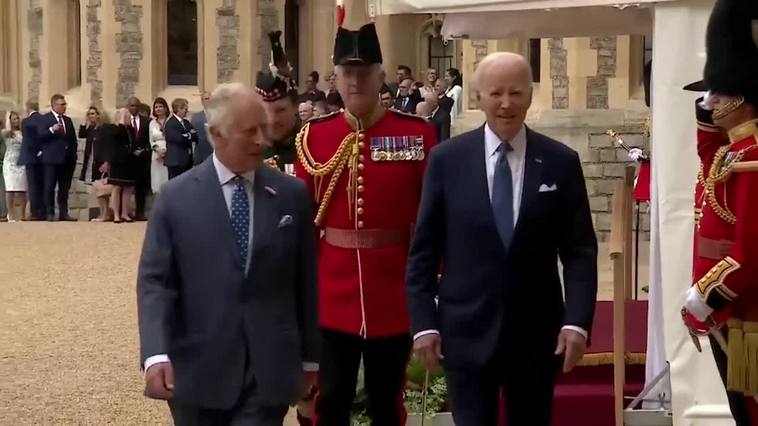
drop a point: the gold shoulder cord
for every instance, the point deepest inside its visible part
(335, 166)
(717, 175)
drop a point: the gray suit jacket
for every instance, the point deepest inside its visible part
(196, 304)
(203, 149)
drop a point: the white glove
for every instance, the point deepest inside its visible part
(635, 154)
(696, 305)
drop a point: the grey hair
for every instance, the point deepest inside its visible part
(497, 58)
(221, 98)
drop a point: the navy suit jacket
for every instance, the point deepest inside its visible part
(485, 292)
(30, 147)
(179, 140)
(57, 148)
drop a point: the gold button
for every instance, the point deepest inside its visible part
(360, 188)
(360, 210)
(360, 224)
(361, 158)
(360, 201)
(360, 179)
(361, 166)
(361, 136)
(361, 145)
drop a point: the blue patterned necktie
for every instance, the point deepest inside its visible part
(241, 217)
(502, 196)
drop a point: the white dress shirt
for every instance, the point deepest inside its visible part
(516, 160)
(59, 119)
(225, 179)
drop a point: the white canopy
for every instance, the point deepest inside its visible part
(540, 23)
(396, 7)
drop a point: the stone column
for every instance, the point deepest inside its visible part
(129, 46)
(94, 53)
(34, 24)
(227, 56)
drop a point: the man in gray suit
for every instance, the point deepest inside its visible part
(203, 149)
(226, 291)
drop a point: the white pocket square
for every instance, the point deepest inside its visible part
(284, 221)
(545, 188)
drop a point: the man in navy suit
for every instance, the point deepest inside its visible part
(30, 159)
(501, 205)
(181, 138)
(57, 138)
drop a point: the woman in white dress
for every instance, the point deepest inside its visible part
(13, 174)
(158, 171)
(454, 90)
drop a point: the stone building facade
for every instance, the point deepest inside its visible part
(100, 52)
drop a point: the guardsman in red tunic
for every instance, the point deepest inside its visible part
(726, 262)
(364, 168)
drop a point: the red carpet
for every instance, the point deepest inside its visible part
(585, 396)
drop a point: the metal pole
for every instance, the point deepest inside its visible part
(424, 394)
(637, 255)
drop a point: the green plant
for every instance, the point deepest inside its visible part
(436, 399)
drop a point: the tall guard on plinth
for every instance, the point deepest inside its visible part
(726, 246)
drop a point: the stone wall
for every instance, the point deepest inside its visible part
(269, 16)
(95, 56)
(129, 47)
(34, 24)
(597, 86)
(559, 73)
(227, 57)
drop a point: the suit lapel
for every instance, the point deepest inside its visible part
(265, 210)
(532, 174)
(219, 212)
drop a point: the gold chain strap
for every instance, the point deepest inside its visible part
(717, 175)
(335, 166)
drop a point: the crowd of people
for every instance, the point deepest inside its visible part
(131, 154)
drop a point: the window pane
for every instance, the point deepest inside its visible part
(182, 42)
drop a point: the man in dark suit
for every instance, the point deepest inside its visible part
(237, 342)
(406, 100)
(139, 127)
(439, 115)
(57, 138)
(180, 138)
(30, 159)
(502, 204)
(203, 149)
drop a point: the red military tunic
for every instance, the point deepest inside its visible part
(368, 217)
(726, 262)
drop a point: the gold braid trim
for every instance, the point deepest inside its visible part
(719, 174)
(742, 360)
(714, 279)
(334, 166)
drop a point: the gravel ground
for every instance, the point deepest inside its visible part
(68, 327)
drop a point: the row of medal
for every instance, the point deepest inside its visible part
(397, 148)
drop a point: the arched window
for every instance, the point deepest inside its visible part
(441, 54)
(74, 45)
(181, 43)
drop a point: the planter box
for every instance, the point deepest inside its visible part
(439, 419)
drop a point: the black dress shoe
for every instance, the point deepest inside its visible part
(51, 218)
(36, 219)
(68, 219)
(140, 218)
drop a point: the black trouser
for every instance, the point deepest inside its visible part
(174, 171)
(384, 363)
(737, 402)
(35, 178)
(527, 380)
(51, 174)
(142, 185)
(64, 186)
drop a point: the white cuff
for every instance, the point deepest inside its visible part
(424, 333)
(579, 330)
(311, 367)
(696, 305)
(155, 359)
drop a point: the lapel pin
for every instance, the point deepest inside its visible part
(270, 190)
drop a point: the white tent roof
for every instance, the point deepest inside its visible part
(395, 7)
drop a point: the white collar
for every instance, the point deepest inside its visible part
(492, 141)
(32, 113)
(225, 175)
(56, 115)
